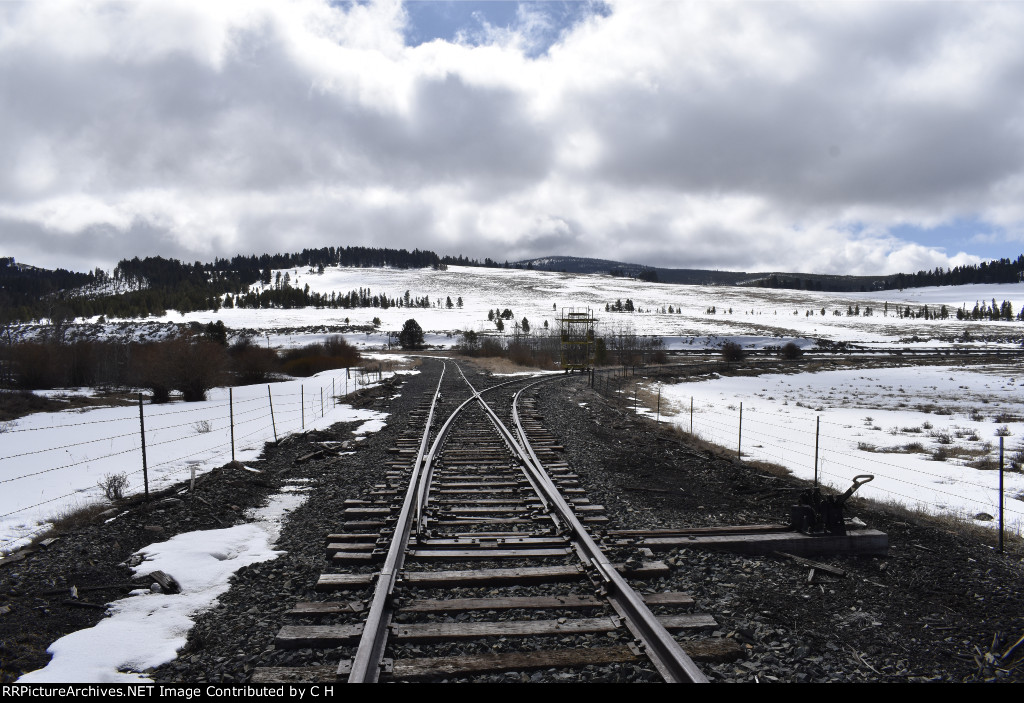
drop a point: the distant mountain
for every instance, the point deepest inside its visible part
(1000, 271)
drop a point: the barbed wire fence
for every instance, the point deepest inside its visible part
(133, 437)
(835, 455)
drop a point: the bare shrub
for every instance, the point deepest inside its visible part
(490, 346)
(252, 363)
(197, 365)
(790, 351)
(36, 365)
(1016, 460)
(520, 354)
(731, 351)
(1003, 431)
(334, 353)
(114, 486)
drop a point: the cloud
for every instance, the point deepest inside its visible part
(754, 136)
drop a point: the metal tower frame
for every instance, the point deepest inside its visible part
(576, 329)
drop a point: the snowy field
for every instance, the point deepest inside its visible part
(756, 316)
(928, 434)
(52, 463)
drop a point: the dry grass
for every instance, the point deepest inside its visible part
(909, 448)
(389, 365)
(700, 444)
(77, 515)
(955, 523)
(498, 365)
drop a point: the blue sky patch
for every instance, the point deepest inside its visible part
(467, 20)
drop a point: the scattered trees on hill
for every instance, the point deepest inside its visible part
(982, 311)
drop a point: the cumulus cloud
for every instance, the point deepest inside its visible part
(754, 136)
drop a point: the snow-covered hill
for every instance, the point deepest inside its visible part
(756, 315)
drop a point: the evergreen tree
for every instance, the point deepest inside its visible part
(411, 336)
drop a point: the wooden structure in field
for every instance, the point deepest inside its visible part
(576, 329)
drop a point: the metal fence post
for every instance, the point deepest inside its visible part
(142, 428)
(1001, 495)
(691, 414)
(272, 423)
(817, 434)
(739, 442)
(231, 406)
(658, 419)
(302, 404)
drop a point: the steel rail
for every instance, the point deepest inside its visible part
(366, 664)
(674, 665)
(665, 653)
(367, 660)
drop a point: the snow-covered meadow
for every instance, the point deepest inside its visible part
(929, 435)
(755, 316)
(53, 463)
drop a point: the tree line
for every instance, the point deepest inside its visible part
(192, 361)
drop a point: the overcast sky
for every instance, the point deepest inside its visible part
(845, 138)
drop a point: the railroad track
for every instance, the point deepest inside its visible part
(476, 557)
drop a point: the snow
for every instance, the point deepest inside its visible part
(51, 463)
(758, 317)
(871, 420)
(147, 629)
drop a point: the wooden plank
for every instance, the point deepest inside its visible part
(299, 636)
(813, 564)
(533, 574)
(343, 582)
(436, 667)
(442, 631)
(707, 650)
(457, 605)
(353, 537)
(294, 674)
(864, 542)
(428, 554)
(687, 621)
(492, 542)
(351, 546)
(367, 512)
(479, 577)
(327, 608)
(723, 530)
(674, 598)
(312, 455)
(525, 500)
(565, 602)
(355, 557)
